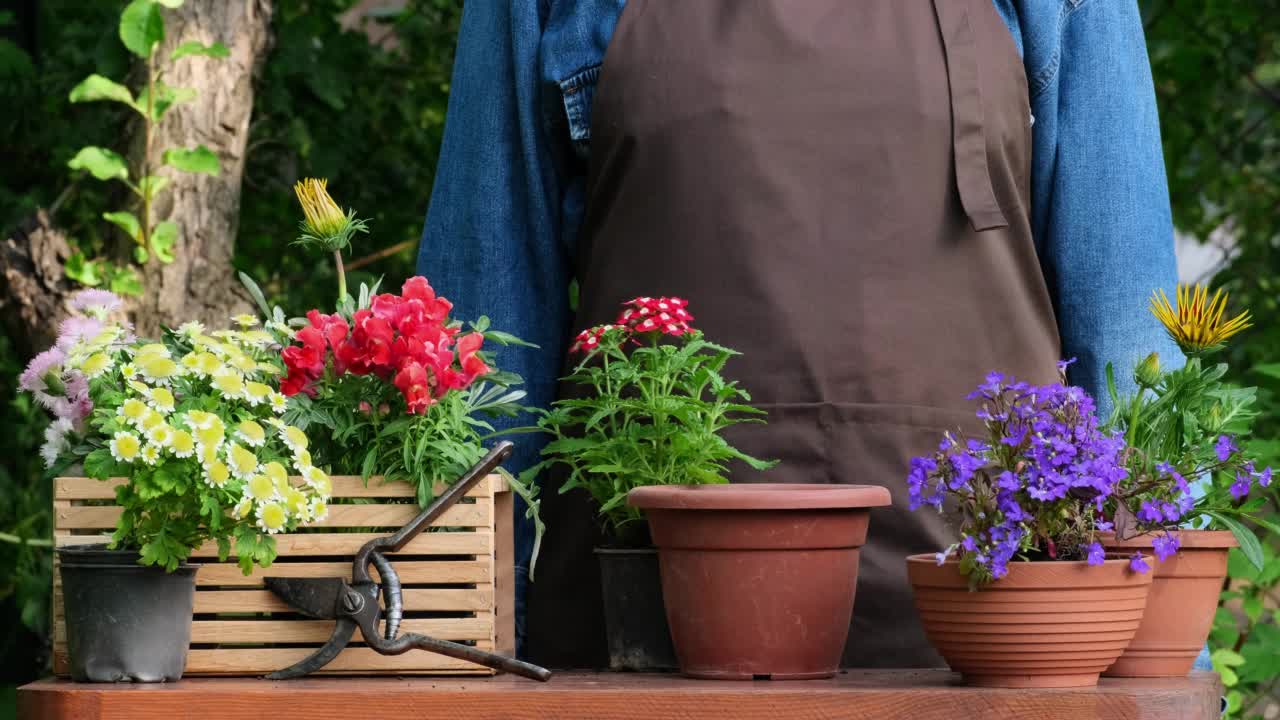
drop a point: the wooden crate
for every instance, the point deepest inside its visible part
(458, 585)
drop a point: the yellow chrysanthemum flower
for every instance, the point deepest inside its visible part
(258, 337)
(129, 371)
(162, 400)
(318, 511)
(160, 435)
(257, 393)
(201, 420)
(260, 488)
(276, 472)
(229, 383)
(208, 454)
(183, 444)
(150, 419)
(133, 410)
(139, 387)
(242, 509)
(276, 423)
(217, 474)
(319, 480)
(244, 364)
(272, 518)
(1196, 323)
(191, 329)
(152, 350)
(125, 446)
(245, 320)
(296, 502)
(156, 367)
(243, 462)
(302, 459)
(251, 433)
(208, 363)
(96, 365)
(269, 369)
(279, 403)
(150, 454)
(294, 438)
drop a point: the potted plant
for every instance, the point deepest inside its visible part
(1185, 426)
(643, 437)
(1028, 597)
(191, 423)
(390, 385)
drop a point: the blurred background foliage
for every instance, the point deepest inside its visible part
(356, 91)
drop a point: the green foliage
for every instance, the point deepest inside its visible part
(652, 415)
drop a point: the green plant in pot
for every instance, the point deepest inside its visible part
(1187, 498)
(187, 429)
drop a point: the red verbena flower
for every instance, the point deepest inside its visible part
(589, 339)
(665, 315)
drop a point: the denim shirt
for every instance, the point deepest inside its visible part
(508, 196)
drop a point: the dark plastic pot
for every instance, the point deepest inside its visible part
(758, 579)
(635, 620)
(125, 622)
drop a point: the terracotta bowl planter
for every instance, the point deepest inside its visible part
(1045, 624)
(758, 579)
(1184, 596)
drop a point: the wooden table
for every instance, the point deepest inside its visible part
(878, 695)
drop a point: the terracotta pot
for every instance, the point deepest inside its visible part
(1045, 624)
(758, 579)
(1184, 597)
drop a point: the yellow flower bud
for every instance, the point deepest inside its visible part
(1147, 374)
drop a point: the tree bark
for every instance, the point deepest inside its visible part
(200, 283)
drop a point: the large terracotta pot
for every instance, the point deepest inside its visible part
(758, 579)
(1184, 596)
(1045, 624)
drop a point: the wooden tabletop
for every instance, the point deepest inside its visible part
(878, 695)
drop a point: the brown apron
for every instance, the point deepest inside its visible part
(840, 189)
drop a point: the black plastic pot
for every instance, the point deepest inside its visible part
(125, 622)
(635, 619)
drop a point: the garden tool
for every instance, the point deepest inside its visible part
(355, 604)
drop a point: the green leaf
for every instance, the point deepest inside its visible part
(140, 255)
(95, 87)
(256, 293)
(81, 270)
(193, 47)
(99, 464)
(1271, 370)
(126, 221)
(171, 4)
(124, 281)
(199, 160)
(151, 185)
(1252, 608)
(1249, 544)
(166, 97)
(141, 27)
(102, 163)
(163, 238)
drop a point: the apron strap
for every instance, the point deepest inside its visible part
(969, 142)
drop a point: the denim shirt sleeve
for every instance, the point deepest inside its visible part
(1100, 201)
(491, 243)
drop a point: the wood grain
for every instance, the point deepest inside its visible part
(389, 517)
(857, 695)
(344, 486)
(214, 632)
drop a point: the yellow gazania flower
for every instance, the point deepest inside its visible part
(260, 488)
(294, 438)
(150, 454)
(245, 320)
(162, 400)
(318, 511)
(125, 446)
(160, 435)
(96, 365)
(243, 462)
(229, 383)
(217, 474)
(256, 392)
(183, 444)
(156, 367)
(251, 433)
(242, 508)
(272, 518)
(133, 410)
(296, 502)
(1196, 323)
(324, 218)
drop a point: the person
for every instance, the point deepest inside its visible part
(877, 202)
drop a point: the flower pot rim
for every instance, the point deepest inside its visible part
(924, 570)
(1188, 538)
(759, 496)
(931, 559)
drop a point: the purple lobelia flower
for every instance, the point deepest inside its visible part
(1225, 447)
(1138, 563)
(1240, 488)
(1165, 546)
(1264, 477)
(1095, 554)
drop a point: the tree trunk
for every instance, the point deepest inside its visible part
(200, 284)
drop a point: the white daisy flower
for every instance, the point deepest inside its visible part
(191, 329)
(272, 518)
(242, 508)
(160, 435)
(125, 446)
(251, 433)
(279, 403)
(318, 510)
(129, 371)
(150, 454)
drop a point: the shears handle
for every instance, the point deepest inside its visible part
(414, 641)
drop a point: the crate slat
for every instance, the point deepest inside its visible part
(468, 551)
(103, 517)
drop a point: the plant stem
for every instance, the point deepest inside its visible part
(146, 153)
(34, 542)
(342, 276)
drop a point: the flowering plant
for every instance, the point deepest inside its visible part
(651, 414)
(1184, 425)
(1033, 487)
(191, 422)
(390, 384)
